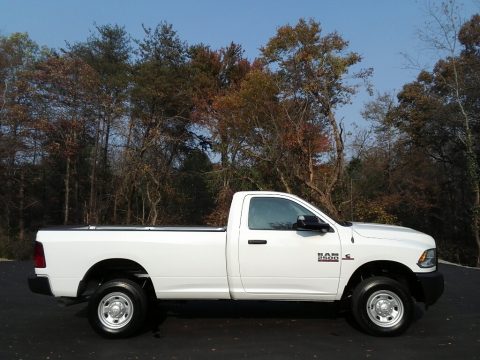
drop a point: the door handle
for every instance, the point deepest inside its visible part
(257, 242)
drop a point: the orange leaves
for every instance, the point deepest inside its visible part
(306, 136)
(469, 34)
(67, 85)
(216, 76)
(254, 96)
(65, 88)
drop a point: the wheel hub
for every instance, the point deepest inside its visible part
(385, 308)
(115, 310)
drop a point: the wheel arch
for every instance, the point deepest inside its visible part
(112, 268)
(387, 268)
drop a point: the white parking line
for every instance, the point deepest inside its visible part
(462, 266)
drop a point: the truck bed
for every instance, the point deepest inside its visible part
(182, 262)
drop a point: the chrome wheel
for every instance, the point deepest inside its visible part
(115, 310)
(385, 308)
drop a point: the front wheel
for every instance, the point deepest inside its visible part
(382, 306)
(117, 308)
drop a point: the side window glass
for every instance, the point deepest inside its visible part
(270, 213)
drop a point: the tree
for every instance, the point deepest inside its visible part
(158, 133)
(312, 69)
(450, 94)
(18, 147)
(108, 52)
(215, 74)
(64, 88)
(391, 181)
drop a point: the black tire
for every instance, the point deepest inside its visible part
(382, 306)
(118, 308)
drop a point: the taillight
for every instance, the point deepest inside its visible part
(39, 256)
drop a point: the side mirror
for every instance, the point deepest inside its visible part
(310, 222)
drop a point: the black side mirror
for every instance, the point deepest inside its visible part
(311, 222)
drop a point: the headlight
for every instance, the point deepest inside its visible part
(428, 259)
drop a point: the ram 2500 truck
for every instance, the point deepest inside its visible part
(276, 247)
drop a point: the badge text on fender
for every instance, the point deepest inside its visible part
(328, 257)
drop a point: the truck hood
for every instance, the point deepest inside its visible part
(392, 232)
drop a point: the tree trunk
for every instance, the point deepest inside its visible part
(105, 145)
(284, 181)
(115, 197)
(76, 214)
(330, 207)
(476, 220)
(128, 186)
(339, 156)
(9, 191)
(21, 206)
(321, 198)
(129, 206)
(67, 192)
(91, 213)
(225, 167)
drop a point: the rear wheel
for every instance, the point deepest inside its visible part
(382, 306)
(117, 308)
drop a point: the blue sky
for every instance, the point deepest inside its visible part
(380, 30)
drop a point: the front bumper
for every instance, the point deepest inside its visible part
(431, 286)
(39, 285)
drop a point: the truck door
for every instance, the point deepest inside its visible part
(277, 259)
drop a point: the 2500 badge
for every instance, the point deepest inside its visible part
(328, 257)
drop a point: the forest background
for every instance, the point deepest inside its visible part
(154, 131)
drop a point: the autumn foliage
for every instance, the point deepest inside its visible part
(156, 131)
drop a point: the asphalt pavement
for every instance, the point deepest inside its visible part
(34, 327)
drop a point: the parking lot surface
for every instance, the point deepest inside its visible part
(34, 327)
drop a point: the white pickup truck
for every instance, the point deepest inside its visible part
(276, 247)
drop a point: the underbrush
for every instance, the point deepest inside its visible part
(12, 247)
